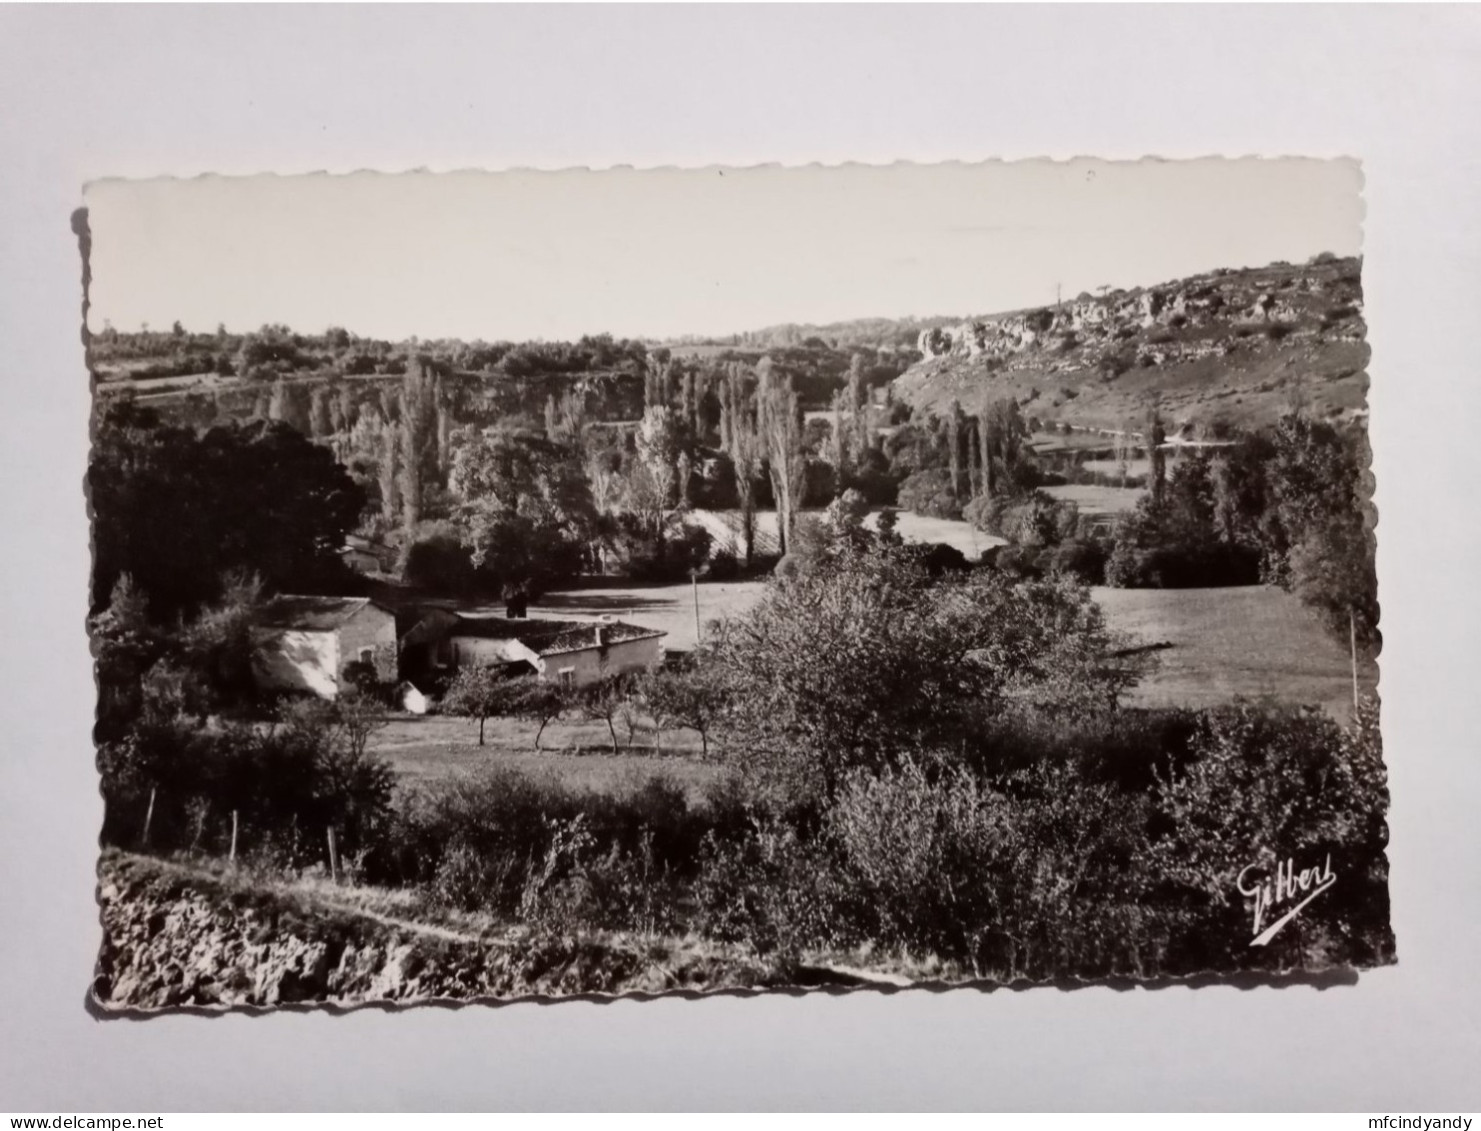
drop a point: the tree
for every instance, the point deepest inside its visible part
(872, 659)
(779, 415)
(837, 442)
(1321, 522)
(653, 487)
(692, 697)
(741, 438)
(389, 478)
(355, 716)
(525, 506)
(541, 702)
(178, 511)
(219, 646)
(954, 422)
(479, 692)
(1156, 457)
(604, 701)
(858, 403)
(125, 646)
(423, 437)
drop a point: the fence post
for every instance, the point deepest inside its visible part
(333, 858)
(148, 816)
(233, 836)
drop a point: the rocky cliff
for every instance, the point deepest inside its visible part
(1230, 345)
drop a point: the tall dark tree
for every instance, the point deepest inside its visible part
(740, 436)
(525, 506)
(177, 511)
(780, 415)
(1156, 435)
(421, 463)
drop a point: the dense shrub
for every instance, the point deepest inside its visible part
(1028, 879)
(1182, 567)
(929, 492)
(675, 557)
(288, 784)
(1084, 559)
(1264, 787)
(476, 839)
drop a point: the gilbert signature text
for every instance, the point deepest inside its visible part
(1286, 893)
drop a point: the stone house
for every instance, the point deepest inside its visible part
(306, 643)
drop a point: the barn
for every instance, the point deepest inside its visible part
(306, 643)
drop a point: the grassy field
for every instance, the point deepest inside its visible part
(1254, 641)
(1094, 501)
(431, 747)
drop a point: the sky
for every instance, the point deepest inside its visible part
(663, 253)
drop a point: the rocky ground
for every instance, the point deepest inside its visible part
(179, 935)
(1237, 347)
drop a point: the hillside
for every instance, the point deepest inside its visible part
(1229, 347)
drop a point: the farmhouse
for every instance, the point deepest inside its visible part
(574, 653)
(365, 555)
(306, 643)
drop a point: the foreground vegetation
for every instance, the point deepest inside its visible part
(922, 768)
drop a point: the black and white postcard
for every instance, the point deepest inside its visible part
(536, 584)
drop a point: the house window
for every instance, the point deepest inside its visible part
(566, 677)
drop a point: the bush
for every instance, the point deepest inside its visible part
(1081, 558)
(683, 551)
(939, 558)
(1029, 518)
(287, 786)
(930, 493)
(1025, 880)
(477, 842)
(723, 566)
(1023, 562)
(1194, 566)
(1267, 786)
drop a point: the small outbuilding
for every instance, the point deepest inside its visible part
(307, 643)
(573, 653)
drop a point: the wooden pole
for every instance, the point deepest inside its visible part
(1352, 635)
(233, 836)
(333, 859)
(149, 815)
(698, 631)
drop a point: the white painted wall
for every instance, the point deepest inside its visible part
(292, 660)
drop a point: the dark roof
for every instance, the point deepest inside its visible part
(548, 637)
(311, 614)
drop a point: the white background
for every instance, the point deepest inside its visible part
(115, 91)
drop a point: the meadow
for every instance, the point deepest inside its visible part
(576, 753)
(1095, 501)
(1253, 641)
